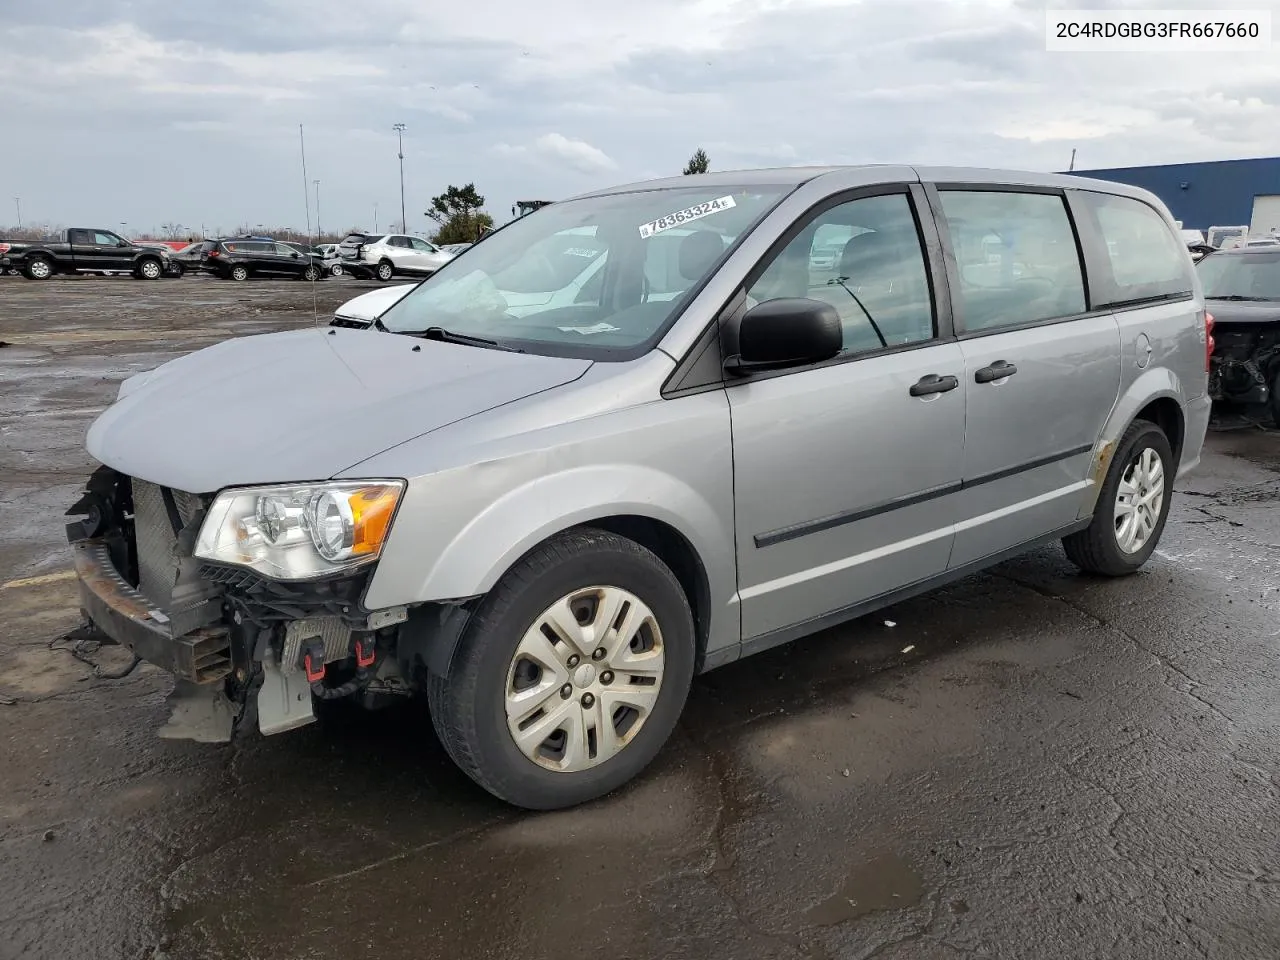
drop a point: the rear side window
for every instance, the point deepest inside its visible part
(1147, 261)
(1016, 257)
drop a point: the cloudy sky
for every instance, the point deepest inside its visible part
(153, 111)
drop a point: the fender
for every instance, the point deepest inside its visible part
(1153, 384)
(486, 547)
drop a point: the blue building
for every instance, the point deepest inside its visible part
(1215, 193)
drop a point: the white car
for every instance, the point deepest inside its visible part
(361, 311)
(394, 254)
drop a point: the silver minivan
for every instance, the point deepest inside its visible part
(548, 520)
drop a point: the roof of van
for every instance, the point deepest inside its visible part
(795, 176)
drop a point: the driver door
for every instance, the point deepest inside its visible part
(845, 472)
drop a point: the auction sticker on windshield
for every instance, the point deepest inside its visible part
(696, 212)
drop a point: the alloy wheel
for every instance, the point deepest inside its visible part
(1139, 500)
(584, 678)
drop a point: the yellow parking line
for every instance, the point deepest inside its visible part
(37, 581)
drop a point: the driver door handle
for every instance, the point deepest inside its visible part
(932, 383)
(997, 371)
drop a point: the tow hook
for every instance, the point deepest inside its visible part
(366, 652)
(313, 661)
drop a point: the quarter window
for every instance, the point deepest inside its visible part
(1147, 261)
(1016, 257)
(863, 257)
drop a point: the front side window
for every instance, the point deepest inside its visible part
(1016, 256)
(1251, 276)
(106, 239)
(1147, 261)
(285, 250)
(599, 277)
(865, 258)
(421, 245)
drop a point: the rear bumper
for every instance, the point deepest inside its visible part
(128, 618)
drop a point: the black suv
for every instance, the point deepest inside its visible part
(240, 258)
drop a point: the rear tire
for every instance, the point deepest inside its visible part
(620, 601)
(1131, 512)
(385, 271)
(38, 268)
(238, 272)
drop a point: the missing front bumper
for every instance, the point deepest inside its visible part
(127, 617)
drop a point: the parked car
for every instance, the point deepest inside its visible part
(360, 312)
(83, 250)
(393, 255)
(548, 523)
(241, 259)
(1242, 290)
(331, 265)
(188, 256)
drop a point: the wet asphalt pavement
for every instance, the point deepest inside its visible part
(1030, 763)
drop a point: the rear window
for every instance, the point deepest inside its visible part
(358, 238)
(1147, 261)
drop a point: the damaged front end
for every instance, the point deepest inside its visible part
(1245, 367)
(181, 592)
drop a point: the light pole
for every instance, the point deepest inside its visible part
(317, 183)
(399, 129)
(375, 216)
(17, 202)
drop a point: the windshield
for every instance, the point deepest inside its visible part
(1253, 276)
(599, 278)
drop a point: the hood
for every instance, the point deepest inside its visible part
(369, 306)
(1243, 311)
(304, 405)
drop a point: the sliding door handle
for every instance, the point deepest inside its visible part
(997, 371)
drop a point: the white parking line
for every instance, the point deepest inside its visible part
(40, 580)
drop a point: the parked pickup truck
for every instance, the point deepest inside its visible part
(82, 250)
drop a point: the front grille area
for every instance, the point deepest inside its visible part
(167, 574)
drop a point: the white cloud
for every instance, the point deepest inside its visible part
(557, 148)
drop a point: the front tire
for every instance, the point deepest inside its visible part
(312, 274)
(335, 270)
(1132, 506)
(571, 674)
(149, 269)
(385, 271)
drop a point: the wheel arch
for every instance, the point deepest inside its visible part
(672, 520)
(1156, 397)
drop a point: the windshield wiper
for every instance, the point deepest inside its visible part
(448, 336)
(1240, 296)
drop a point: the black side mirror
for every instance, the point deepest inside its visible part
(788, 332)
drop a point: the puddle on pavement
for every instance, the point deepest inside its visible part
(884, 883)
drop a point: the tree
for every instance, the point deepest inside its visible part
(698, 163)
(459, 212)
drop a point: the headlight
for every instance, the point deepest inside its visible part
(300, 532)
